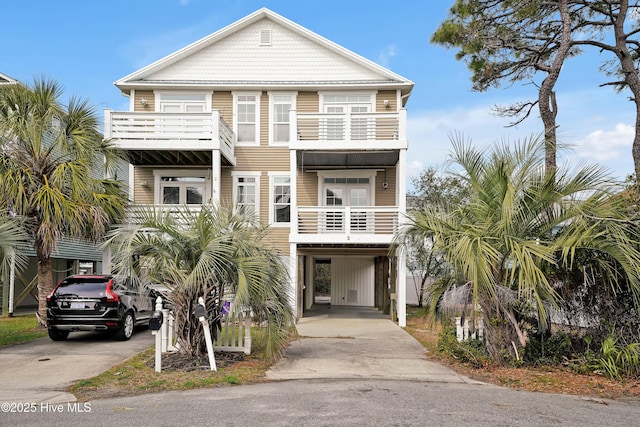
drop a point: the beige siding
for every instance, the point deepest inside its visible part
(279, 239)
(307, 189)
(223, 102)
(386, 197)
(389, 95)
(264, 119)
(140, 193)
(226, 186)
(149, 96)
(308, 102)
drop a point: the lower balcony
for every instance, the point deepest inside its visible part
(345, 224)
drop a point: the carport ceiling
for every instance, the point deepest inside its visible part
(342, 159)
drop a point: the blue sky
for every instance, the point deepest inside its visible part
(87, 45)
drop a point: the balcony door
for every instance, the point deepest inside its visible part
(179, 104)
(337, 107)
(342, 193)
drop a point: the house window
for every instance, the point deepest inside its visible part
(182, 190)
(246, 192)
(280, 196)
(181, 187)
(281, 104)
(247, 114)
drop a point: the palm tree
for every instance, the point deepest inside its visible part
(216, 253)
(516, 227)
(49, 157)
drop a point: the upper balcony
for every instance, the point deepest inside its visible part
(340, 131)
(162, 138)
(158, 138)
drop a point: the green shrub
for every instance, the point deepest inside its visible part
(472, 351)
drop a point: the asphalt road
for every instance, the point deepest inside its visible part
(347, 402)
(40, 370)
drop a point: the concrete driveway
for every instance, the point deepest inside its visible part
(357, 342)
(40, 371)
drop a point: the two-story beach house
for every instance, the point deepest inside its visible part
(278, 119)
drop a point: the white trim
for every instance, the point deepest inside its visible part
(271, 94)
(258, 101)
(132, 100)
(207, 97)
(159, 173)
(240, 174)
(272, 222)
(133, 78)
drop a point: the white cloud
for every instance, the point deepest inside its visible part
(604, 145)
(384, 57)
(590, 138)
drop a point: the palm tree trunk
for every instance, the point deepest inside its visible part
(45, 283)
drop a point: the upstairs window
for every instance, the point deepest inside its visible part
(247, 118)
(281, 105)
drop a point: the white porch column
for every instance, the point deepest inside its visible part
(293, 282)
(293, 229)
(216, 170)
(12, 283)
(401, 279)
(293, 215)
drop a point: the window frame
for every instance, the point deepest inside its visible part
(273, 176)
(256, 103)
(272, 116)
(158, 174)
(159, 94)
(237, 175)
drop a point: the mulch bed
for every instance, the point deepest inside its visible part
(185, 362)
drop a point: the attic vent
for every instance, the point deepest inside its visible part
(265, 37)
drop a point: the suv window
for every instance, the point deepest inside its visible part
(88, 288)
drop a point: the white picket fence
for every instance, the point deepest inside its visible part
(462, 330)
(234, 335)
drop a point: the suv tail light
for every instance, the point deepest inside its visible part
(111, 296)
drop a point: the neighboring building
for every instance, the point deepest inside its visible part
(73, 256)
(6, 80)
(282, 121)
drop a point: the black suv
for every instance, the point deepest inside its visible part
(98, 303)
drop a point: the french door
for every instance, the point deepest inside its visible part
(346, 195)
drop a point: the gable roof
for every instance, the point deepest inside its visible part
(6, 80)
(291, 57)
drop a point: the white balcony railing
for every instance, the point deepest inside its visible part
(187, 131)
(347, 220)
(348, 127)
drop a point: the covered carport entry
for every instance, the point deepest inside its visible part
(357, 277)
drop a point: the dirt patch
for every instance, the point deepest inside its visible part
(188, 363)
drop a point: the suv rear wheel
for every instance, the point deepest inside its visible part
(126, 331)
(57, 334)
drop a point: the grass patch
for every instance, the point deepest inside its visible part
(19, 329)
(136, 375)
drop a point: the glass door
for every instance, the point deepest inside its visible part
(347, 195)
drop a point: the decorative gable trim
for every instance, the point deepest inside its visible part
(264, 39)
